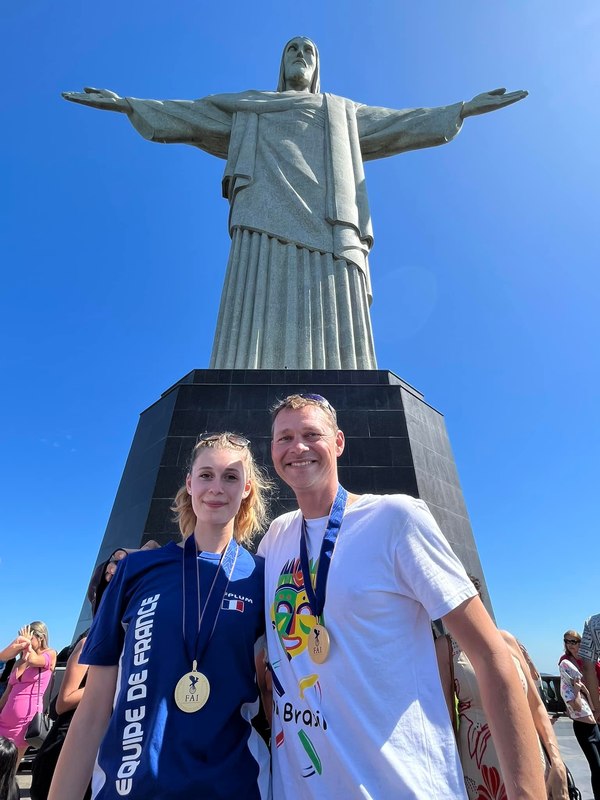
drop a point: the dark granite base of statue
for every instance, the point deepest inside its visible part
(395, 443)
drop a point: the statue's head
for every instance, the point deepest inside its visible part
(299, 68)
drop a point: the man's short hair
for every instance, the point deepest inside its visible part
(296, 401)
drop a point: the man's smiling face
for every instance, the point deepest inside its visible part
(305, 448)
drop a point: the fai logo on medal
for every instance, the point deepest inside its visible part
(192, 690)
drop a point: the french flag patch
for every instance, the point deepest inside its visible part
(233, 605)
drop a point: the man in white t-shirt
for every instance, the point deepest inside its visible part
(589, 653)
(358, 707)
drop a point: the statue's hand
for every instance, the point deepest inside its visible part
(491, 101)
(99, 98)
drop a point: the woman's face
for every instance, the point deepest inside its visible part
(36, 642)
(217, 484)
(572, 645)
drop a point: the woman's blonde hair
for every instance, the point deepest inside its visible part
(41, 631)
(253, 513)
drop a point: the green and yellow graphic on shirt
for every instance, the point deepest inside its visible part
(311, 752)
(291, 613)
(293, 620)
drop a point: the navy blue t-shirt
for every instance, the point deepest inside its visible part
(151, 748)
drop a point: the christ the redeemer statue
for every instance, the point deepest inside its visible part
(297, 288)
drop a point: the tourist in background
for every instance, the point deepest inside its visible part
(9, 789)
(478, 756)
(67, 700)
(572, 644)
(27, 683)
(580, 707)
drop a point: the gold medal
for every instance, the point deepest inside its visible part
(192, 691)
(319, 644)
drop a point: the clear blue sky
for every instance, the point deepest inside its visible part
(485, 268)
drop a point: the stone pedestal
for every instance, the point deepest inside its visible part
(395, 443)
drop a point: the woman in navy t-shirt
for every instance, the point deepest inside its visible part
(173, 643)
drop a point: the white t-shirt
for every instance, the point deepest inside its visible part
(371, 722)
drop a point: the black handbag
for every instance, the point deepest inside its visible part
(38, 728)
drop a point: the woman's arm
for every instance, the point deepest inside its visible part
(580, 687)
(442, 652)
(4, 697)
(556, 782)
(76, 761)
(14, 648)
(41, 660)
(70, 693)
(576, 699)
(5, 694)
(265, 684)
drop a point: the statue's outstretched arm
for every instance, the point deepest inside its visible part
(385, 132)
(197, 122)
(103, 99)
(491, 101)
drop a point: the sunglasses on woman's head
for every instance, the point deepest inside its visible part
(571, 641)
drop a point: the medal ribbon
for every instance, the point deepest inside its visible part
(316, 595)
(199, 626)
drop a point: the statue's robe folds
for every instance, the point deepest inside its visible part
(297, 288)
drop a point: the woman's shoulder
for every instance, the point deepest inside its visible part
(249, 564)
(49, 657)
(512, 644)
